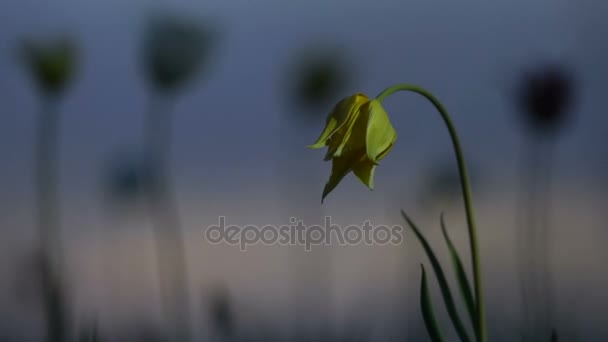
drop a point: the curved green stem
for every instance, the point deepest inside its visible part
(480, 326)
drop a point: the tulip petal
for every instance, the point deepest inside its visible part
(381, 135)
(344, 142)
(364, 170)
(353, 133)
(340, 167)
(336, 119)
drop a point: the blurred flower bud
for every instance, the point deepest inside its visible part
(128, 176)
(441, 183)
(89, 332)
(174, 49)
(51, 63)
(318, 78)
(545, 95)
(221, 312)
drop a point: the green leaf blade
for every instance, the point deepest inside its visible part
(461, 275)
(441, 279)
(427, 310)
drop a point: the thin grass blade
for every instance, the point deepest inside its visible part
(461, 275)
(427, 310)
(441, 279)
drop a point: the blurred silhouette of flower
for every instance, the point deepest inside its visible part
(221, 312)
(51, 63)
(127, 178)
(317, 77)
(441, 184)
(89, 333)
(545, 95)
(313, 77)
(358, 134)
(174, 49)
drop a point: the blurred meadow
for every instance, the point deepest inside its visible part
(128, 127)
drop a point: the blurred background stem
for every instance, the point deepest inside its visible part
(163, 211)
(49, 225)
(526, 238)
(534, 236)
(545, 240)
(310, 272)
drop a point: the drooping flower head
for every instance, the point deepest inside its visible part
(51, 63)
(358, 134)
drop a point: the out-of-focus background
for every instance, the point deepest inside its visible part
(263, 77)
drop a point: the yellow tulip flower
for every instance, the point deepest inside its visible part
(358, 134)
